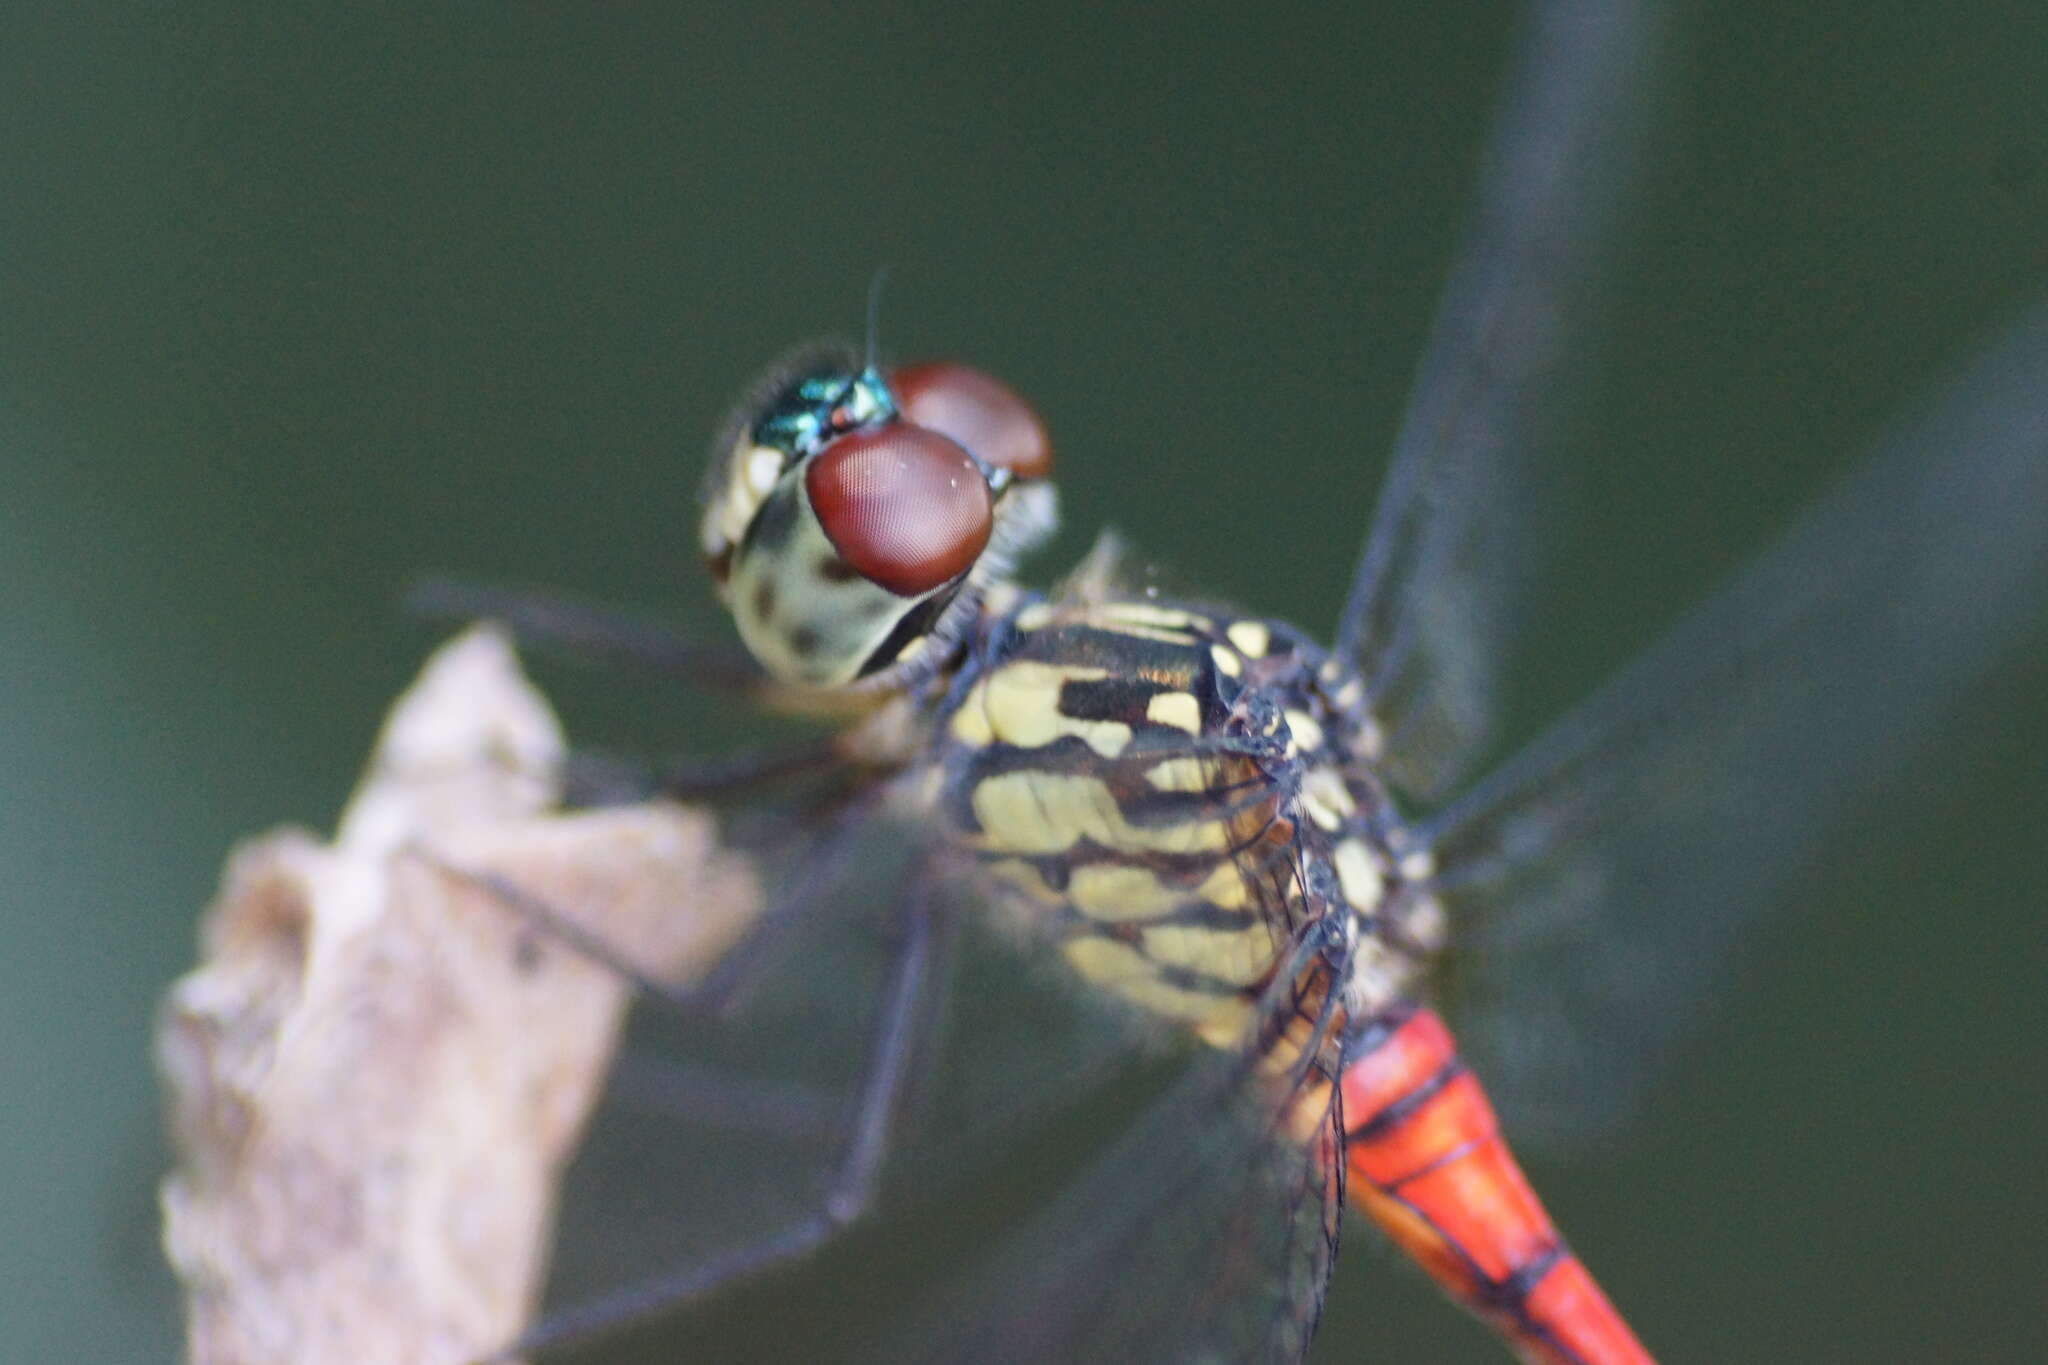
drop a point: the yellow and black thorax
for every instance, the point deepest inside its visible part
(1171, 794)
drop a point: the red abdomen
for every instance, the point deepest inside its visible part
(1424, 1158)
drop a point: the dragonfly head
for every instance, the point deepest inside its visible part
(853, 519)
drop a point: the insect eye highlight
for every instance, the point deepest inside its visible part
(903, 505)
(977, 410)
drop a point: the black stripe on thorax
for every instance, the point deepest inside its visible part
(1168, 662)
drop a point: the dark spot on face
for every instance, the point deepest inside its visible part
(720, 564)
(908, 627)
(805, 640)
(764, 599)
(833, 569)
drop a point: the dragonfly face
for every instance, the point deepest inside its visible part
(853, 520)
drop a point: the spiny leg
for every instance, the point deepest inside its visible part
(817, 872)
(890, 1054)
(548, 619)
(553, 620)
(704, 1095)
(819, 868)
(565, 623)
(602, 780)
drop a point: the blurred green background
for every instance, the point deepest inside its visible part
(295, 306)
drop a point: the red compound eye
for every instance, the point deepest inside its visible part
(977, 410)
(905, 507)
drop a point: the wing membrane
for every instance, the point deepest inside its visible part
(729, 1125)
(1205, 1234)
(1448, 561)
(1596, 878)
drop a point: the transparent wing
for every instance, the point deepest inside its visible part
(1596, 878)
(1448, 560)
(1205, 1234)
(723, 1126)
(737, 1123)
(726, 1126)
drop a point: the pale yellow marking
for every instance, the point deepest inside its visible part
(1308, 735)
(1321, 815)
(759, 468)
(1330, 671)
(1358, 874)
(764, 467)
(1037, 616)
(1123, 969)
(1328, 800)
(1239, 956)
(711, 533)
(1419, 865)
(1019, 704)
(1024, 877)
(1224, 888)
(1178, 709)
(1145, 614)
(970, 723)
(1226, 661)
(1227, 1026)
(1038, 812)
(726, 517)
(1179, 775)
(1251, 637)
(1350, 694)
(1113, 892)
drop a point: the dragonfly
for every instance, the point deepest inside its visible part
(1278, 850)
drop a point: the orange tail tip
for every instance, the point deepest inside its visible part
(1425, 1160)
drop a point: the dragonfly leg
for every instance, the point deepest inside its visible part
(1425, 1160)
(552, 921)
(603, 780)
(721, 985)
(816, 872)
(548, 619)
(892, 1051)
